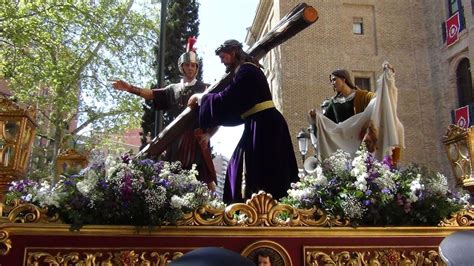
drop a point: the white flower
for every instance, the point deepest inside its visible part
(415, 186)
(300, 194)
(155, 199)
(177, 202)
(353, 208)
(242, 218)
(46, 195)
(386, 180)
(28, 197)
(339, 161)
(217, 204)
(361, 182)
(86, 185)
(438, 186)
(321, 179)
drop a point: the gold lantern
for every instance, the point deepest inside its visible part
(70, 162)
(17, 130)
(459, 144)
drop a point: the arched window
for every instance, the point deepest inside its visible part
(464, 83)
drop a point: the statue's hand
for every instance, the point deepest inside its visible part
(193, 101)
(121, 85)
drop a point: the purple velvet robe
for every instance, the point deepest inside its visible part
(270, 162)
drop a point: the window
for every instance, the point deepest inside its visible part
(357, 26)
(362, 83)
(464, 82)
(453, 7)
(456, 6)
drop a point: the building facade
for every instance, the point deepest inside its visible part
(432, 78)
(220, 165)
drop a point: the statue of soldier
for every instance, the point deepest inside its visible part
(193, 146)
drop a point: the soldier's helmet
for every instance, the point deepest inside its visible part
(189, 56)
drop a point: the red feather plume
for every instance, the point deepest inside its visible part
(190, 45)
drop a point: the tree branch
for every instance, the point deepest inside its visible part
(96, 117)
(99, 45)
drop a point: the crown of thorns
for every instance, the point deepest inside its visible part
(228, 45)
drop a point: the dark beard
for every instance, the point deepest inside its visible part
(229, 68)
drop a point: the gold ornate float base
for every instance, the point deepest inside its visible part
(49, 244)
(307, 237)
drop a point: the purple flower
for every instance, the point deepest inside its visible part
(158, 166)
(386, 191)
(367, 202)
(103, 184)
(368, 192)
(146, 162)
(387, 161)
(20, 187)
(164, 182)
(126, 158)
(126, 188)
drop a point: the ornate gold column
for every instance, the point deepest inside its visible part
(459, 144)
(17, 130)
(70, 162)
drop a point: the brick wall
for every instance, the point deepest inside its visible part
(406, 33)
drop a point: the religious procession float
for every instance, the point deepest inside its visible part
(351, 209)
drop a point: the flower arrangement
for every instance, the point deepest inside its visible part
(371, 192)
(122, 191)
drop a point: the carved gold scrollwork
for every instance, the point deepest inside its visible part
(317, 217)
(374, 257)
(260, 210)
(29, 213)
(204, 216)
(263, 210)
(240, 214)
(123, 257)
(454, 132)
(5, 243)
(58, 259)
(463, 217)
(162, 259)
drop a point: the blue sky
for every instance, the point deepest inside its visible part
(221, 20)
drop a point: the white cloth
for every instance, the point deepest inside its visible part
(382, 111)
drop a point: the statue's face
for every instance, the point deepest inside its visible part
(228, 59)
(264, 261)
(337, 83)
(190, 70)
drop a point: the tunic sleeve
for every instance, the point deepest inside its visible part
(163, 98)
(225, 108)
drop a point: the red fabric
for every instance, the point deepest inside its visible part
(461, 117)
(67, 242)
(452, 29)
(206, 153)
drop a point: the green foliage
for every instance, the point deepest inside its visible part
(58, 55)
(182, 21)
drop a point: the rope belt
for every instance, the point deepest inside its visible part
(258, 108)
